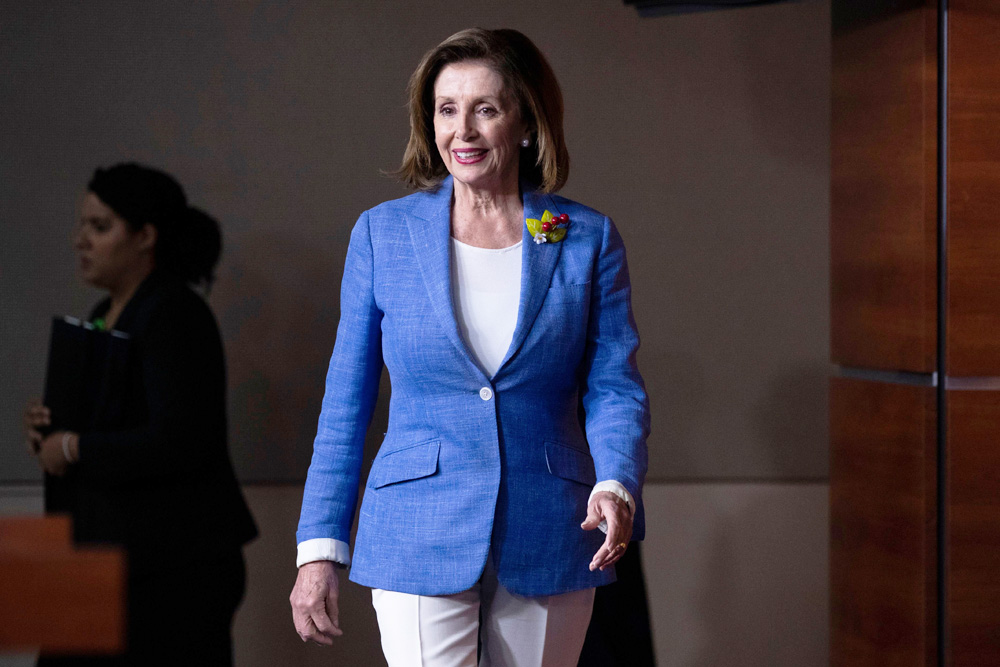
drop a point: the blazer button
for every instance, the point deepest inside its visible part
(486, 393)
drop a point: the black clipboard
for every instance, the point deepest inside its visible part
(82, 361)
(83, 364)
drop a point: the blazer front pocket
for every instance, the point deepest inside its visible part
(577, 293)
(409, 463)
(570, 463)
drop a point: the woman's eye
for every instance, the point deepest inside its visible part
(446, 111)
(487, 111)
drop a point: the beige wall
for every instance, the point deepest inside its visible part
(736, 575)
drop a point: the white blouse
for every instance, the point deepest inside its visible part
(485, 289)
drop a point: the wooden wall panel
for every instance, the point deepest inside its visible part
(973, 321)
(883, 300)
(973, 566)
(63, 601)
(57, 597)
(883, 524)
(884, 194)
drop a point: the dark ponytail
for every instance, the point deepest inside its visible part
(188, 242)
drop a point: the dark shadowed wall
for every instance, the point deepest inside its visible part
(704, 136)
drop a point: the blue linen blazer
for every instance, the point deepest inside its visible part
(473, 465)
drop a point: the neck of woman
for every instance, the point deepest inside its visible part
(122, 292)
(487, 218)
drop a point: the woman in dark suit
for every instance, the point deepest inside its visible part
(151, 470)
(518, 419)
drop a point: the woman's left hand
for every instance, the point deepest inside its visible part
(52, 456)
(609, 507)
(36, 418)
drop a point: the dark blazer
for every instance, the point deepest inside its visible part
(154, 472)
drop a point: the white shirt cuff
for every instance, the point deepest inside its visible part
(323, 548)
(615, 487)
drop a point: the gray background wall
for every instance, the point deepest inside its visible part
(705, 136)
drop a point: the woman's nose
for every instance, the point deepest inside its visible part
(467, 128)
(80, 239)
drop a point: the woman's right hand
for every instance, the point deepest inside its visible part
(36, 416)
(314, 602)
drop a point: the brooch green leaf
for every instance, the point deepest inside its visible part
(550, 229)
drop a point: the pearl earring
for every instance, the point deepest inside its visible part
(525, 142)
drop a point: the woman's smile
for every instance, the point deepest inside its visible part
(469, 155)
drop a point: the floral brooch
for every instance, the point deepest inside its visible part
(550, 229)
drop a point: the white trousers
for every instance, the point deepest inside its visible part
(516, 631)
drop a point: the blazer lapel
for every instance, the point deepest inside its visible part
(538, 262)
(430, 233)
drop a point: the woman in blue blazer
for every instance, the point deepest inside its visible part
(518, 418)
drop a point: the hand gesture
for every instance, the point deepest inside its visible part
(314, 602)
(606, 506)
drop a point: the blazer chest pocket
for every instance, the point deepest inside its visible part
(577, 293)
(569, 463)
(409, 463)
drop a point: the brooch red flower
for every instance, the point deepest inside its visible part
(550, 229)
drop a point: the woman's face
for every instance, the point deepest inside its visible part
(477, 126)
(107, 248)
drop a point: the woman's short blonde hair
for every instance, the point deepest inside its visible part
(527, 77)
